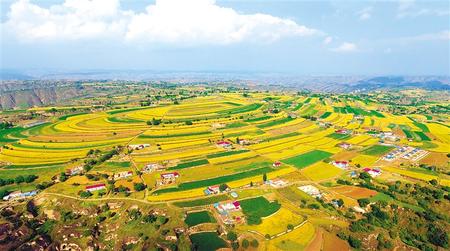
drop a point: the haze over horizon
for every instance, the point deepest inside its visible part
(295, 37)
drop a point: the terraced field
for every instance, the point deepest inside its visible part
(235, 141)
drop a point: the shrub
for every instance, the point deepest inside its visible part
(354, 242)
(232, 236)
(245, 243)
(85, 194)
(139, 186)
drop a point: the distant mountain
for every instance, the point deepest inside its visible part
(13, 75)
(399, 83)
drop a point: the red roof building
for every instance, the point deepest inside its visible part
(95, 187)
(171, 175)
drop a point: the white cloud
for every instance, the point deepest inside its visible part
(327, 40)
(409, 8)
(345, 47)
(365, 13)
(442, 35)
(165, 21)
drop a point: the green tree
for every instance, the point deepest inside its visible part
(264, 177)
(354, 242)
(85, 194)
(254, 243)
(245, 243)
(231, 236)
(139, 186)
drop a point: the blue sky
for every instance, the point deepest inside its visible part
(301, 37)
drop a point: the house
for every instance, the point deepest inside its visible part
(96, 187)
(234, 195)
(123, 175)
(353, 174)
(276, 164)
(344, 145)
(19, 195)
(359, 209)
(388, 136)
(372, 172)
(74, 171)
(311, 191)
(212, 190)
(340, 164)
(170, 176)
(138, 146)
(342, 131)
(277, 183)
(152, 167)
(227, 206)
(245, 142)
(224, 144)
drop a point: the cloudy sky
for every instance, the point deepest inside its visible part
(302, 37)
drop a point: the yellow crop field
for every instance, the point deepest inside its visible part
(364, 160)
(195, 149)
(416, 175)
(275, 223)
(297, 239)
(321, 171)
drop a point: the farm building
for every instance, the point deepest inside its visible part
(123, 175)
(172, 175)
(388, 136)
(311, 191)
(95, 187)
(359, 209)
(167, 178)
(224, 144)
(139, 146)
(244, 142)
(152, 167)
(212, 190)
(225, 207)
(340, 164)
(19, 195)
(372, 172)
(277, 183)
(342, 131)
(344, 145)
(74, 171)
(276, 164)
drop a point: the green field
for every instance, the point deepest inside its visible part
(215, 181)
(189, 164)
(325, 115)
(275, 122)
(306, 159)
(207, 241)
(202, 202)
(258, 207)
(222, 154)
(377, 150)
(196, 218)
(338, 136)
(258, 119)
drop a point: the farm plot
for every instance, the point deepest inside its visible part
(257, 208)
(321, 171)
(297, 239)
(215, 181)
(275, 223)
(200, 217)
(306, 159)
(355, 192)
(377, 150)
(207, 241)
